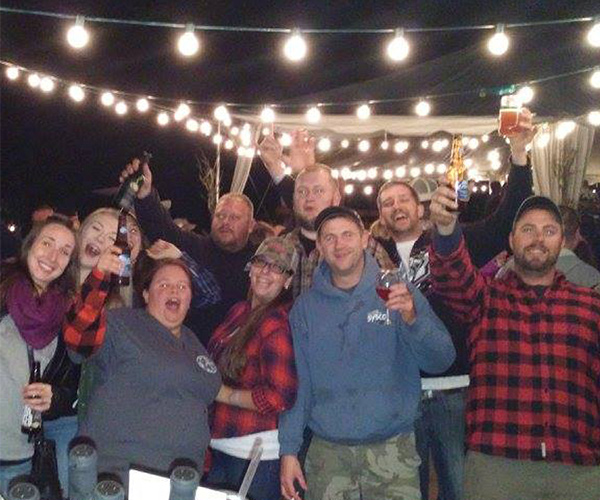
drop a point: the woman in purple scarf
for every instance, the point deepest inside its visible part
(35, 293)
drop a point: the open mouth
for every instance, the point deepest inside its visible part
(400, 217)
(173, 304)
(47, 268)
(92, 250)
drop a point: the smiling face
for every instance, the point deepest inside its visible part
(536, 241)
(168, 297)
(50, 254)
(267, 279)
(98, 233)
(400, 212)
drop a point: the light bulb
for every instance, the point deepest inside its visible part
(142, 105)
(217, 139)
(429, 168)
(473, 143)
(324, 144)
(182, 111)
(346, 173)
(227, 121)
(485, 138)
(493, 155)
(385, 145)
(76, 93)
(246, 137)
(424, 144)
(398, 48)
(266, 131)
(107, 99)
(34, 80)
(437, 146)
(543, 140)
(77, 36)
(595, 79)
(564, 129)
(313, 115)
(228, 144)
(121, 108)
(47, 84)
(593, 36)
(441, 168)
(221, 114)
(345, 143)
(12, 72)
(468, 162)
(206, 129)
(360, 175)
(241, 151)
(267, 115)
(235, 131)
(372, 173)
(368, 190)
(163, 119)
(295, 47)
(285, 140)
(188, 43)
(335, 173)
(364, 146)
(192, 125)
(423, 108)
(499, 42)
(472, 173)
(594, 118)
(349, 189)
(465, 141)
(415, 172)
(363, 112)
(388, 174)
(525, 94)
(400, 146)
(401, 172)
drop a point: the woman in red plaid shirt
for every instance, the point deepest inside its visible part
(254, 353)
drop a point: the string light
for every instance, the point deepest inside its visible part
(77, 36)
(372, 173)
(363, 112)
(335, 173)
(437, 146)
(368, 190)
(266, 131)
(400, 147)
(234, 131)
(495, 165)
(76, 93)
(441, 169)
(34, 80)
(228, 144)
(364, 146)
(324, 145)
(192, 125)
(162, 119)
(388, 174)
(398, 48)
(12, 73)
(543, 139)
(295, 47)
(473, 143)
(564, 129)
(385, 145)
(424, 144)
(121, 108)
(499, 42)
(345, 143)
(313, 115)
(221, 113)
(107, 99)
(47, 84)
(246, 136)
(493, 155)
(594, 118)
(401, 172)
(188, 43)
(360, 175)
(267, 115)
(484, 188)
(423, 108)
(593, 35)
(429, 168)
(485, 138)
(415, 172)
(206, 129)
(346, 173)
(142, 105)
(349, 189)
(525, 94)
(285, 140)
(217, 139)
(595, 79)
(469, 162)
(182, 112)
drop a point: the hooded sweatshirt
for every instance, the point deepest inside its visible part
(359, 379)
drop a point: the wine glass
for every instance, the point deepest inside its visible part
(385, 279)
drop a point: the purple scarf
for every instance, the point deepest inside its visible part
(38, 318)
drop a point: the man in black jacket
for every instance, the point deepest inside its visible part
(440, 429)
(225, 252)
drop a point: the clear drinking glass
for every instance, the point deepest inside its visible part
(385, 279)
(510, 112)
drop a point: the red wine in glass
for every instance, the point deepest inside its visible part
(383, 292)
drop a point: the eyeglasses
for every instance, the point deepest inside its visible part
(261, 263)
(317, 191)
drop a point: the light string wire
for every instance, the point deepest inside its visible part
(483, 91)
(205, 27)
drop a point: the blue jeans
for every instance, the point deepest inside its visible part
(62, 431)
(8, 472)
(440, 432)
(227, 472)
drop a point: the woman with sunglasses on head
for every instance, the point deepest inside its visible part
(35, 293)
(253, 351)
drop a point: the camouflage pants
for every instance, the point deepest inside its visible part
(381, 471)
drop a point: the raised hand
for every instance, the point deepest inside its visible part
(162, 249)
(302, 151)
(290, 471)
(519, 141)
(130, 169)
(443, 209)
(271, 154)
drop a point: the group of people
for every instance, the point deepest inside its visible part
(487, 368)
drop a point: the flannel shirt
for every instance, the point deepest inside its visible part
(535, 361)
(270, 372)
(307, 264)
(84, 327)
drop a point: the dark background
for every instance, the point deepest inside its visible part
(55, 151)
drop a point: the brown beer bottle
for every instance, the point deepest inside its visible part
(456, 175)
(32, 419)
(122, 242)
(128, 191)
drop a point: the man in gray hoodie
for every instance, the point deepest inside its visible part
(359, 383)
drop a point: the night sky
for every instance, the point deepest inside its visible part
(57, 152)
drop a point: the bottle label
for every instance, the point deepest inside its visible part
(462, 191)
(125, 265)
(27, 420)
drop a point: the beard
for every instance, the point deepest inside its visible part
(304, 223)
(536, 265)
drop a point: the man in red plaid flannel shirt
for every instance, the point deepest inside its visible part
(533, 414)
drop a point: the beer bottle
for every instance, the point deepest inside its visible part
(32, 419)
(122, 242)
(456, 175)
(130, 187)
